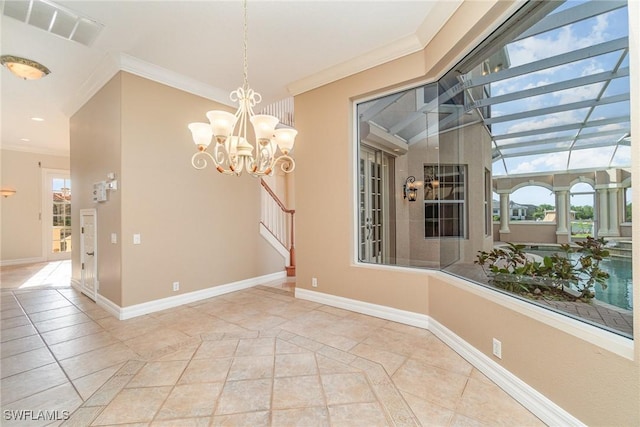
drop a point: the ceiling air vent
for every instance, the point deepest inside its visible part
(55, 19)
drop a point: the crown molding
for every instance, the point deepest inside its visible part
(111, 64)
(35, 150)
(170, 78)
(106, 69)
(439, 14)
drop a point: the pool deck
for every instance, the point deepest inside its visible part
(599, 313)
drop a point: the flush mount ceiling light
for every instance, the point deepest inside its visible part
(6, 192)
(24, 68)
(232, 152)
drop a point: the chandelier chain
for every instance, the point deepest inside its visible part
(245, 46)
(232, 152)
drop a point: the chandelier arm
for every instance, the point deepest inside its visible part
(199, 161)
(287, 163)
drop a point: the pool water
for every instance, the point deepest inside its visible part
(619, 290)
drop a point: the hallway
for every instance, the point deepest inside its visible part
(257, 357)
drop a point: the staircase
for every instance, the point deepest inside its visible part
(276, 221)
(277, 226)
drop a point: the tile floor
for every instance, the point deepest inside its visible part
(257, 357)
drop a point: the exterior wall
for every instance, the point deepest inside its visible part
(22, 239)
(197, 227)
(468, 146)
(592, 383)
(531, 232)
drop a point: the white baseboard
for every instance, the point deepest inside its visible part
(8, 262)
(538, 404)
(76, 284)
(530, 398)
(128, 312)
(381, 311)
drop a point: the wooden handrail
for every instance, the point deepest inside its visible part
(275, 197)
(292, 251)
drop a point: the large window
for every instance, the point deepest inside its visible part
(444, 201)
(544, 100)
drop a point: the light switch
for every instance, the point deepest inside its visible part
(114, 238)
(136, 239)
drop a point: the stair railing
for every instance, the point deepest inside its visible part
(279, 221)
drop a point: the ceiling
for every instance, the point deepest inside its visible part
(197, 46)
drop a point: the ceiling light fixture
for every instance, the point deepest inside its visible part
(6, 192)
(24, 68)
(232, 152)
(37, 119)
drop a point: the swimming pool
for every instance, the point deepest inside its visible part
(619, 290)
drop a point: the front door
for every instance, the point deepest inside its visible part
(56, 214)
(88, 257)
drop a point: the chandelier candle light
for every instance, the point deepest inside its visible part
(232, 152)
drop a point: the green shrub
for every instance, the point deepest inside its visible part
(512, 270)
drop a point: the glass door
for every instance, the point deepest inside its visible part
(371, 177)
(56, 215)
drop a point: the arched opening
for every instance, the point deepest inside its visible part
(582, 211)
(532, 203)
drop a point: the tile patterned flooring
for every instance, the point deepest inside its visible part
(257, 357)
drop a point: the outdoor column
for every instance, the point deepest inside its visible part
(504, 213)
(614, 229)
(561, 212)
(603, 216)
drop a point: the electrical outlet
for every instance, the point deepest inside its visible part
(497, 348)
(176, 286)
(314, 282)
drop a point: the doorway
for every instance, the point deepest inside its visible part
(375, 213)
(56, 214)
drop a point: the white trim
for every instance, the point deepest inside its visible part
(167, 77)
(608, 341)
(440, 13)
(35, 150)
(275, 243)
(111, 64)
(128, 312)
(538, 404)
(21, 261)
(106, 69)
(381, 311)
(76, 284)
(527, 396)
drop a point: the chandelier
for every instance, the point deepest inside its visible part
(232, 152)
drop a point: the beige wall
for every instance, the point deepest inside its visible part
(96, 151)
(22, 239)
(596, 386)
(199, 228)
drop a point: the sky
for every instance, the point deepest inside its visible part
(589, 32)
